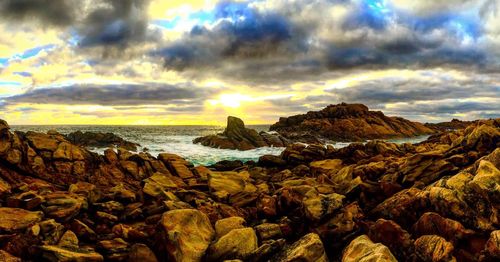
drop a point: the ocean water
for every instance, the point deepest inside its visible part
(178, 140)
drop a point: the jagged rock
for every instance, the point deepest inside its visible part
(348, 122)
(87, 190)
(236, 136)
(308, 249)
(237, 244)
(433, 248)
(233, 186)
(225, 225)
(98, 139)
(51, 231)
(393, 236)
(187, 234)
(454, 124)
(16, 219)
(158, 184)
(68, 250)
(63, 205)
(268, 231)
(363, 249)
(433, 224)
(114, 250)
(403, 207)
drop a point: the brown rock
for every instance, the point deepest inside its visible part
(308, 249)
(225, 225)
(492, 248)
(393, 236)
(433, 224)
(141, 253)
(15, 219)
(6, 257)
(363, 249)
(187, 233)
(237, 244)
(433, 248)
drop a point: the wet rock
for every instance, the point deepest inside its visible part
(308, 249)
(187, 234)
(15, 219)
(98, 139)
(433, 248)
(237, 244)
(141, 253)
(236, 136)
(225, 225)
(271, 161)
(363, 249)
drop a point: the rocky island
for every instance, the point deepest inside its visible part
(237, 136)
(346, 122)
(433, 201)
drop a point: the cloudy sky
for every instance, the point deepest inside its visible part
(196, 61)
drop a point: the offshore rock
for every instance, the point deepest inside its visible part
(237, 136)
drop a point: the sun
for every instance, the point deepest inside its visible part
(231, 100)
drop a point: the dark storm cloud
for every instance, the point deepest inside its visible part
(57, 12)
(96, 22)
(114, 95)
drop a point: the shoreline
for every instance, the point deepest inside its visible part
(70, 202)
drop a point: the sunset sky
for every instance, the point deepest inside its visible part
(195, 62)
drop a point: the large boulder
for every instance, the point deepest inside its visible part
(16, 219)
(237, 244)
(307, 249)
(187, 233)
(434, 248)
(237, 136)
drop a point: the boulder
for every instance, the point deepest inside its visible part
(433, 248)
(239, 243)
(141, 253)
(309, 248)
(225, 225)
(68, 250)
(433, 224)
(99, 139)
(187, 234)
(16, 219)
(491, 250)
(363, 249)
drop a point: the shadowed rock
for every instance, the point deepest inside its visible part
(237, 136)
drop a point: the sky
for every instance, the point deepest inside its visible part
(140, 62)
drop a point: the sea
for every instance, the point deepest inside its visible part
(178, 140)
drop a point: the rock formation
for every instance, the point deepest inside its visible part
(236, 136)
(448, 126)
(346, 122)
(98, 139)
(433, 201)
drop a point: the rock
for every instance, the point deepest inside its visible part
(317, 206)
(403, 207)
(83, 231)
(237, 244)
(347, 122)
(363, 249)
(16, 219)
(225, 225)
(268, 231)
(187, 234)
(98, 139)
(6, 257)
(271, 161)
(141, 253)
(433, 224)
(492, 248)
(329, 166)
(454, 124)
(390, 234)
(232, 186)
(114, 249)
(158, 184)
(68, 250)
(307, 249)
(87, 190)
(51, 231)
(62, 205)
(236, 136)
(433, 248)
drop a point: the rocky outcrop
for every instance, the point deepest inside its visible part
(237, 136)
(433, 201)
(448, 126)
(99, 139)
(346, 122)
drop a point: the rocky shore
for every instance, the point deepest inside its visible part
(346, 122)
(438, 200)
(98, 139)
